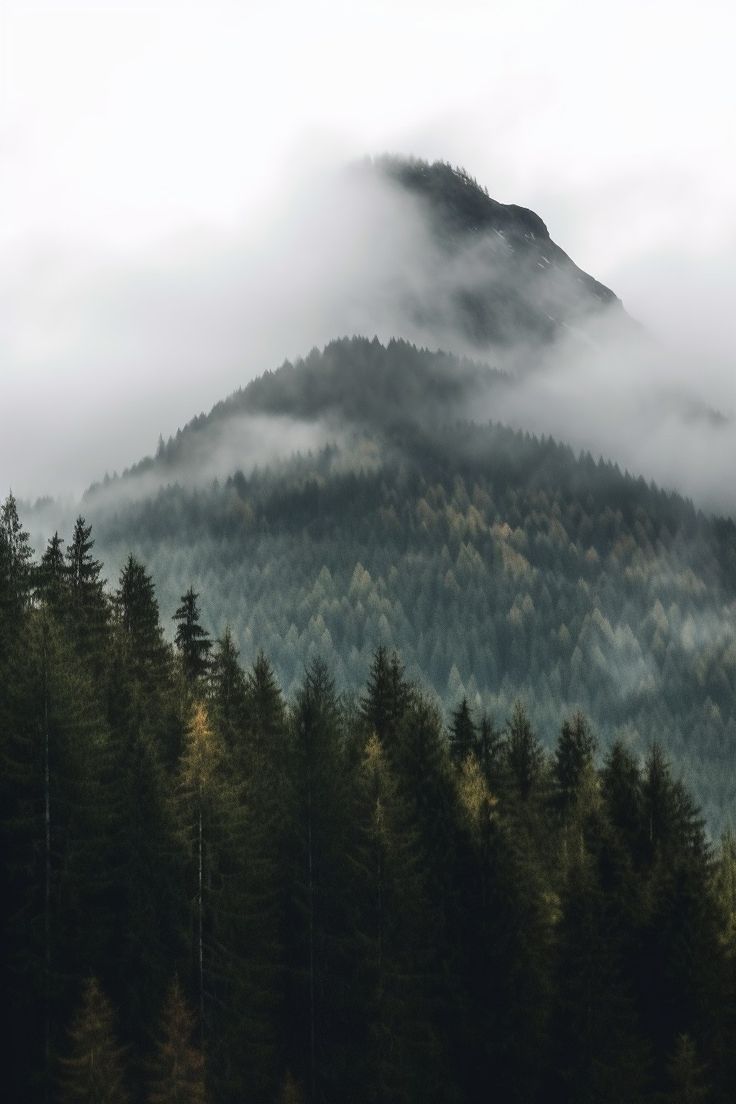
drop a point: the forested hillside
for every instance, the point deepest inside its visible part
(499, 565)
(214, 892)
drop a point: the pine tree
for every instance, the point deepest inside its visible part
(524, 754)
(203, 797)
(387, 697)
(321, 1013)
(87, 611)
(138, 617)
(191, 639)
(52, 577)
(490, 746)
(265, 714)
(16, 555)
(573, 760)
(178, 1069)
(94, 1072)
(227, 692)
(463, 733)
(395, 944)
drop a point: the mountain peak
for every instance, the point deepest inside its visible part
(517, 279)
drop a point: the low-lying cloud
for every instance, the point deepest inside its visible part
(103, 352)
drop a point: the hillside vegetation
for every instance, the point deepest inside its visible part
(497, 563)
(213, 892)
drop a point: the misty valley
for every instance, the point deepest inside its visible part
(373, 739)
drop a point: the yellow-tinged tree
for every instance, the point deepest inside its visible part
(178, 1070)
(201, 789)
(94, 1071)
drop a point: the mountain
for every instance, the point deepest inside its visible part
(368, 493)
(503, 277)
(501, 565)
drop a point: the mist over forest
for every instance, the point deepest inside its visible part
(371, 737)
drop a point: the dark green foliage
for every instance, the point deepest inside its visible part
(500, 565)
(15, 563)
(523, 755)
(463, 735)
(355, 912)
(387, 697)
(52, 577)
(192, 640)
(86, 612)
(573, 759)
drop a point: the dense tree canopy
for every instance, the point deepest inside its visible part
(214, 893)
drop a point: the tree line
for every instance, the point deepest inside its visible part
(210, 892)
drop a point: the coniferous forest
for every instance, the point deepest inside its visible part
(211, 892)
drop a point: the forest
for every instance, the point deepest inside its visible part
(499, 565)
(215, 891)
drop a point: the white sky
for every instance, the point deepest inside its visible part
(129, 128)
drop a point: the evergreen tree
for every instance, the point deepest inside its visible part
(573, 760)
(178, 1069)
(52, 577)
(87, 611)
(322, 1016)
(16, 555)
(192, 639)
(524, 754)
(138, 616)
(94, 1072)
(227, 691)
(490, 747)
(202, 794)
(387, 697)
(463, 733)
(400, 1052)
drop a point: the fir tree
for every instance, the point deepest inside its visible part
(573, 760)
(463, 733)
(52, 577)
(16, 555)
(94, 1072)
(227, 691)
(87, 611)
(178, 1069)
(523, 754)
(192, 639)
(387, 696)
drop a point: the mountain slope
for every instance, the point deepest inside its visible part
(501, 565)
(504, 278)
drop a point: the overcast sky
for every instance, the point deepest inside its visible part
(139, 138)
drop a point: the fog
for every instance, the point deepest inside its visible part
(176, 219)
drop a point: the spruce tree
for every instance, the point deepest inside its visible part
(178, 1068)
(524, 755)
(52, 577)
(573, 759)
(16, 557)
(227, 691)
(87, 610)
(321, 1013)
(387, 696)
(192, 639)
(94, 1071)
(463, 733)
(203, 801)
(138, 617)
